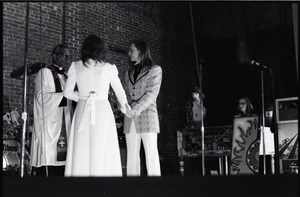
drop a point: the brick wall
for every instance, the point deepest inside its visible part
(117, 23)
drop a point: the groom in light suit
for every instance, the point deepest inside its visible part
(142, 85)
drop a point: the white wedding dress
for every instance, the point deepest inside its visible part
(93, 148)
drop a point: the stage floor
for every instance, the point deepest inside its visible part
(169, 186)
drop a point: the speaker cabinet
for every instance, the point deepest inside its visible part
(287, 120)
(287, 110)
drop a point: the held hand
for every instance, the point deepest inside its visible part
(137, 113)
(130, 113)
(127, 107)
(123, 109)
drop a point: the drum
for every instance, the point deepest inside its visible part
(11, 155)
(11, 125)
(11, 134)
(12, 118)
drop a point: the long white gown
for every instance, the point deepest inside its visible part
(93, 148)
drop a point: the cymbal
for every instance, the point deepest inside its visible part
(31, 69)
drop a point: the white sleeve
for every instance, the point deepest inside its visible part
(70, 84)
(46, 98)
(116, 85)
(45, 95)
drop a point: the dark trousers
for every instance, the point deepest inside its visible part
(52, 171)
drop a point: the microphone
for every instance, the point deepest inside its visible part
(259, 65)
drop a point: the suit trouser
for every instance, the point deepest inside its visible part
(133, 143)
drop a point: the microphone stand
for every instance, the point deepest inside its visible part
(274, 129)
(274, 125)
(202, 141)
(24, 114)
(263, 121)
(28, 118)
(200, 86)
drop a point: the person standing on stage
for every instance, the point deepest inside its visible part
(52, 116)
(93, 142)
(195, 108)
(245, 107)
(142, 85)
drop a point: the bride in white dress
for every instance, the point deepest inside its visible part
(93, 148)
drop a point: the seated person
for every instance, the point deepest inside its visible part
(245, 107)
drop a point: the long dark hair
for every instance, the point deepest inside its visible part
(249, 106)
(93, 47)
(144, 49)
(196, 89)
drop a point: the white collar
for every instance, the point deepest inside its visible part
(60, 68)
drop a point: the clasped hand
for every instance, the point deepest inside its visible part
(132, 112)
(129, 112)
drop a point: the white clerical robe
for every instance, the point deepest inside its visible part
(48, 120)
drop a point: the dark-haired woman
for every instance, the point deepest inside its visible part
(93, 143)
(195, 111)
(142, 85)
(245, 107)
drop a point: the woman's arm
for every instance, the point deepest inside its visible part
(116, 85)
(69, 91)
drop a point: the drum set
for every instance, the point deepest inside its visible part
(12, 133)
(11, 148)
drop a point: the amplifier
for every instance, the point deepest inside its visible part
(287, 120)
(287, 110)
